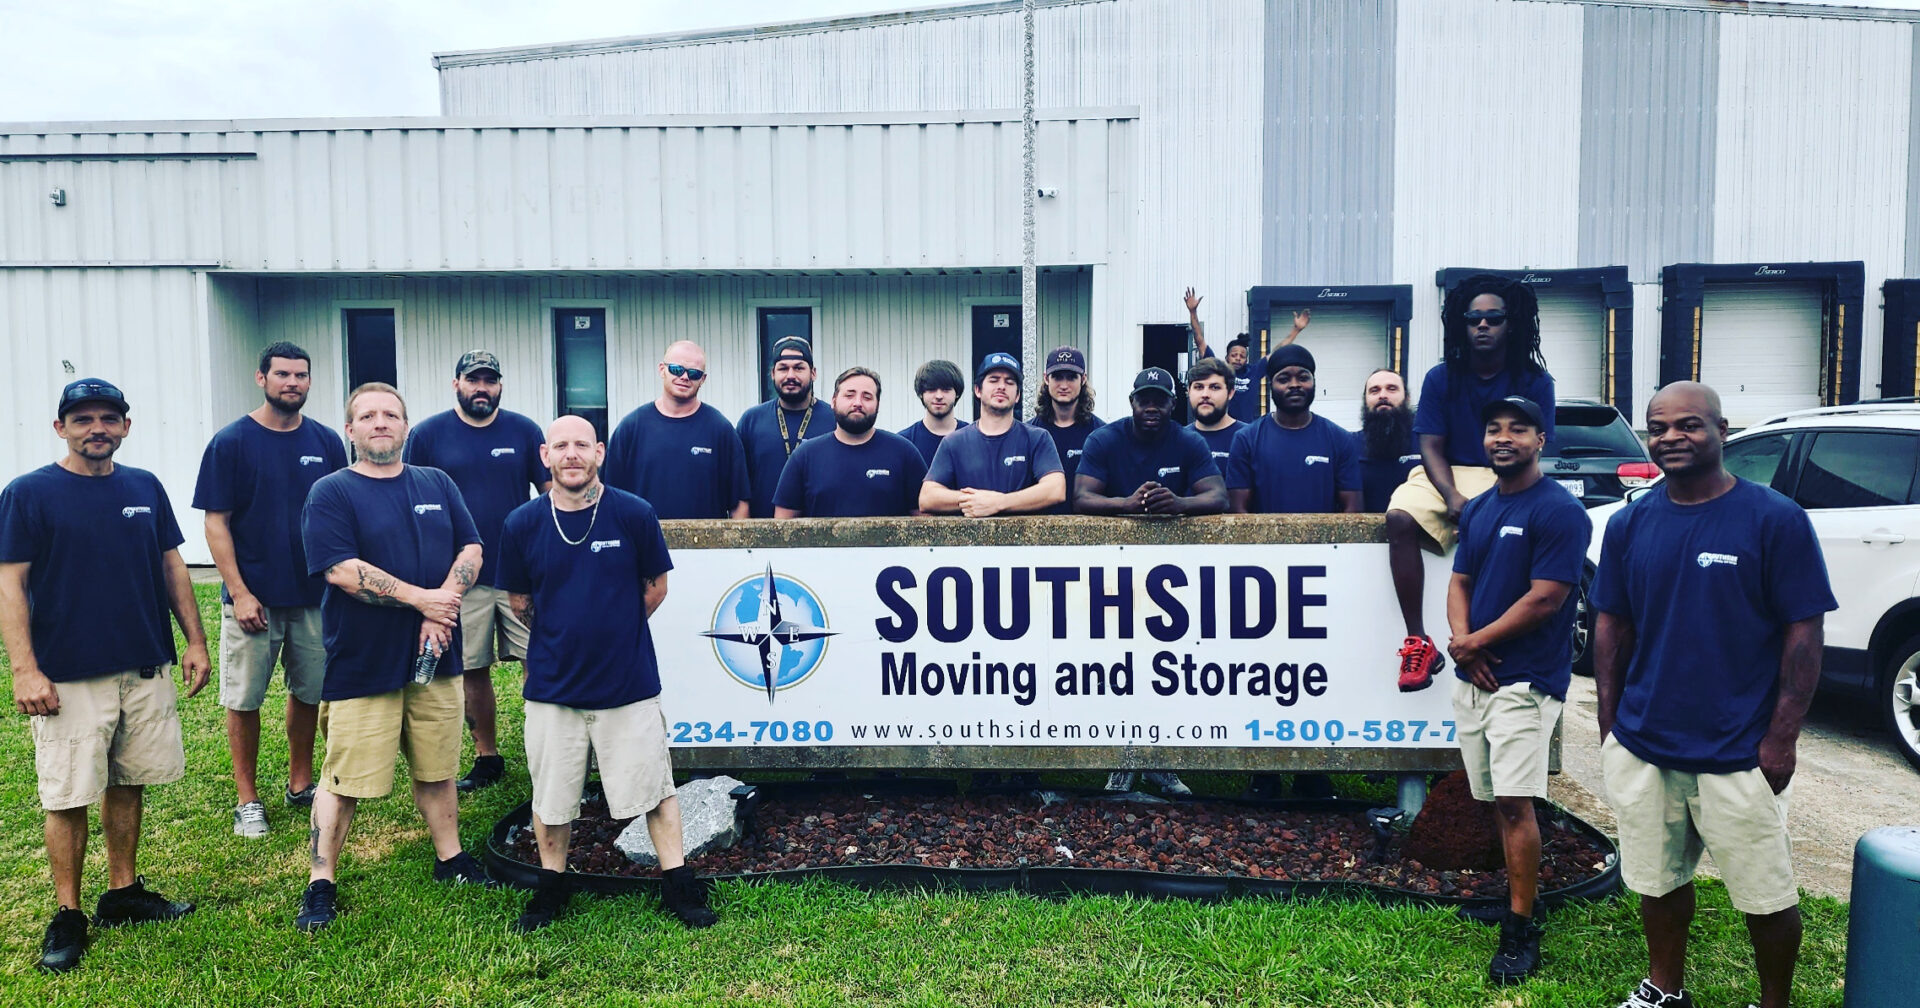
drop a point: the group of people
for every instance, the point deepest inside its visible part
(376, 581)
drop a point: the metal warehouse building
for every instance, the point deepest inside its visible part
(1695, 189)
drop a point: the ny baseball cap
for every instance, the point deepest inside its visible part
(1066, 358)
(997, 361)
(1153, 379)
(1521, 405)
(477, 360)
(88, 390)
(793, 345)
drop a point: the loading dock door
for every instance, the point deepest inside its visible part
(1573, 327)
(1348, 343)
(1760, 348)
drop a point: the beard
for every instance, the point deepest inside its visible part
(854, 425)
(1200, 414)
(1386, 433)
(939, 411)
(387, 457)
(471, 406)
(796, 399)
(283, 406)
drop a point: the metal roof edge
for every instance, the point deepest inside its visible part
(693, 120)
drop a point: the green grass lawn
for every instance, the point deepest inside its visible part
(402, 940)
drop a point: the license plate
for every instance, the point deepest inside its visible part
(1576, 487)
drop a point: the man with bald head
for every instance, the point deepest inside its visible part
(678, 452)
(1710, 597)
(585, 566)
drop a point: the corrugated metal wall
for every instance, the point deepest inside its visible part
(1913, 156)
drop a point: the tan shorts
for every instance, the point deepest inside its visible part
(1504, 737)
(1419, 499)
(292, 637)
(1667, 817)
(112, 730)
(365, 735)
(630, 744)
(488, 628)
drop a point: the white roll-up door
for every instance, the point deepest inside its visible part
(1760, 348)
(1573, 333)
(1347, 344)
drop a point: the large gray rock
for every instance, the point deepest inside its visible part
(708, 822)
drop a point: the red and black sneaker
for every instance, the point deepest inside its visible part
(1419, 660)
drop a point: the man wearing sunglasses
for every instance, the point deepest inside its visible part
(677, 452)
(1491, 350)
(90, 571)
(772, 430)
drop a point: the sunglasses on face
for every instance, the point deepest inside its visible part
(683, 371)
(1474, 318)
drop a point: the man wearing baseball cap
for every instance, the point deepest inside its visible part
(772, 430)
(1064, 409)
(1510, 607)
(1293, 461)
(996, 466)
(1157, 466)
(90, 570)
(493, 455)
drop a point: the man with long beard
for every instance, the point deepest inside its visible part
(493, 455)
(859, 472)
(771, 431)
(1388, 450)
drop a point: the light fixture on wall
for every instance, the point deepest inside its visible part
(58, 196)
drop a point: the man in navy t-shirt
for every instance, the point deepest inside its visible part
(254, 478)
(1293, 461)
(1064, 409)
(1491, 350)
(938, 385)
(1249, 377)
(772, 430)
(677, 452)
(1510, 606)
(1388, 450)
(1209, 393)
(493, 455)
(586, 567)
(859, 472)
(90, 571)
(1711, 596)
(398, 549)
(1146, 465)
(996, 466)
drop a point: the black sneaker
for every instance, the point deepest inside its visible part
(302, 798)
(1263, 786)
(486, 772)
(549, 899)
(136, 904)
(66, 941)
(1491, 914)
(1519, 953)
(318, 906)
(685, 896)
(462, 869)
(1649, 996)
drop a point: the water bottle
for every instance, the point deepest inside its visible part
(426, 663)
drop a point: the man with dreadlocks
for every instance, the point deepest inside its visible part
(1491, 350)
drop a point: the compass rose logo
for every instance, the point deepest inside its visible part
(769, 632)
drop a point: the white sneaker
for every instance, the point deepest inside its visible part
(250, 820)
(1120, 780)
(1168, 782)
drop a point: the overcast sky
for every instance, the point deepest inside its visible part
(243, 59)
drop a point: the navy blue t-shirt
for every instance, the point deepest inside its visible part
(590, 646)
(1002, 462)
(412, 526)
(1068, 443)
(496, 467)
(828, 478)
(96, 581)
(1709, 589)
(1121, 460)
(925, 440)
(1454, 412)
(767, 451)
(686, 467)
(1293, 471)
(1506, 543)
(261, 477)
(1219, 442)
(1380, 477)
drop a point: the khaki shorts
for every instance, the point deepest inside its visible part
(630, 744)
(365, 735)
(292, 637)
(1667, 817)
(112, 730)
(1423, 503)
(1504, 738)
(487, 620)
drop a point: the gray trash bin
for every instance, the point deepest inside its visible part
(1883, 957)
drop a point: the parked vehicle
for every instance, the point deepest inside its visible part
(1595, 454)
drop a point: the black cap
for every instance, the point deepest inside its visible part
(476, 360)
(995, 362)
(1290, 355)
(1066, 358)
(88, 390)
(1515, 404)
(1155, 380)
(795, 345)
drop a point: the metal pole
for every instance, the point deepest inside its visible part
(1029, 275)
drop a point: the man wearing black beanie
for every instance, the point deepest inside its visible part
(1292, 461)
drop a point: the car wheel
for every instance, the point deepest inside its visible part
(1898, 693)
(1583, 623)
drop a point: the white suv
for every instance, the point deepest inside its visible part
(1854, 469)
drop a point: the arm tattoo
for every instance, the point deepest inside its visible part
(522, 608)
(376, 587)
(464, 573)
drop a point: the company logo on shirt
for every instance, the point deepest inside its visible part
(1011, 459)
(1074, 452)
(421, 509)
(698, 450)
(599, 544)
(306, 460)
(1709, 559)
(1164, 470)
(1409, 458)
(1311, 459)
(1507, 530)
(497, 452)
(871, 473)
(1222, 454)
(128, 512)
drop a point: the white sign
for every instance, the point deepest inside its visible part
(1002, 320)
(1229, 645)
